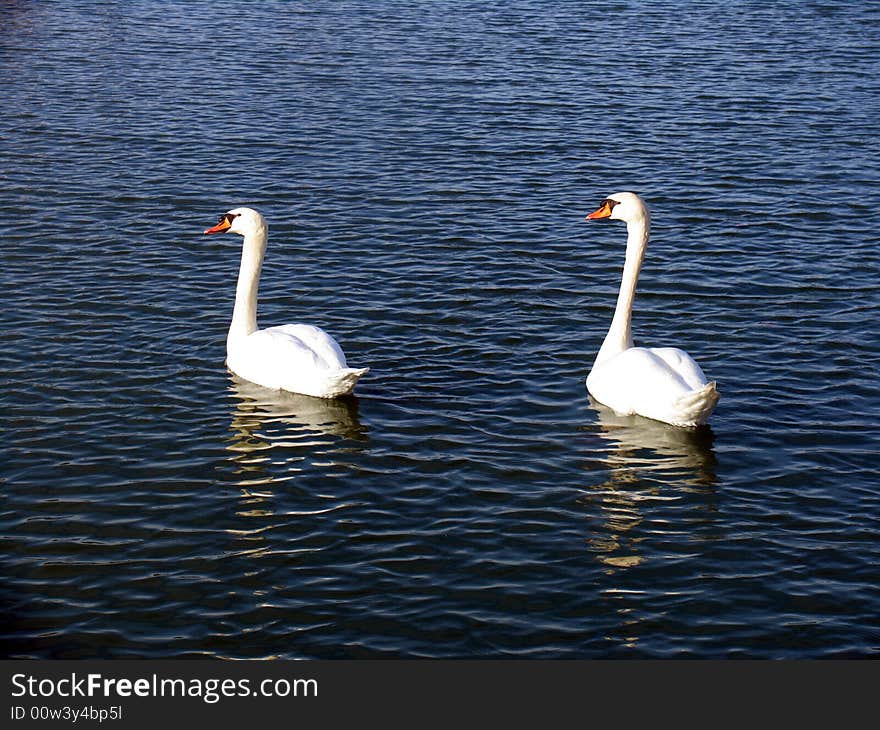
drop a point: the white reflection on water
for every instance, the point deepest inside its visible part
(274, 433)
(277, 437)
(649, 463)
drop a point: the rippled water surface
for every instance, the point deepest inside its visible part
(425, 169)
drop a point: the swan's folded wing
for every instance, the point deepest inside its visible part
(683, 365)
(326, 351)
(638, 380)
(269, 357)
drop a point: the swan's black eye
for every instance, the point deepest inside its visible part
(610, 203)
(228, 218)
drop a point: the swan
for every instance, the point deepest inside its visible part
(663, 383)
(298, 358)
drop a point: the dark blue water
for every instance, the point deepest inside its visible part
(425, 169)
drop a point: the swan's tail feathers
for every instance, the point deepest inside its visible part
(695, 407)
(342, 382)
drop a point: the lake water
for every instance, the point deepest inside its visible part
(425, 169)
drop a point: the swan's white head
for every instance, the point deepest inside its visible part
(242, 221)
(627, 207)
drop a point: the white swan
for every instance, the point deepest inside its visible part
(298, 358)
(663, 383)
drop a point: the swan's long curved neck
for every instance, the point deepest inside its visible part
(619, 337)
(244, 315)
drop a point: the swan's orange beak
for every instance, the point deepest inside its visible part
(225, 222)
(603, 212)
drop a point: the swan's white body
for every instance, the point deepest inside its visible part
(663, 383)
(298, 358)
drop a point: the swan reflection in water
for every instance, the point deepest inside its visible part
(275, 433)
(650, 463)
